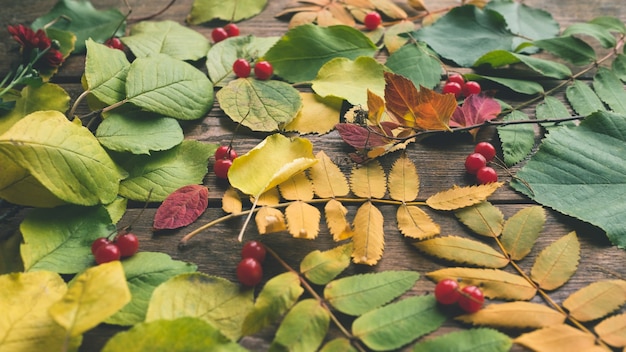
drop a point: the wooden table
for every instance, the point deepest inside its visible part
(439, 162)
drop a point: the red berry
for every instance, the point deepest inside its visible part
(218, 34)
(127, 243)
(474, 162)
(372, 20)
(253, 249)
(114, 43)
(486, 175)
(231, 29)
(447, 291)
(263, 70)
(99, 242)
(470, 88)
(107, 253)
(241, 68)
(471, 299)
(452, 88)
(455, 77)
(225, 152)
(221, 167)
(486, 149)
(249, 272)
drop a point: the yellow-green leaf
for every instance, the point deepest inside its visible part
(318, 115)
(521, 231)
(463, 250)
(269, 220)
(322, 266)
(483, 219)
(517, 315)
(558, 338)
(303, 328)
(328, 180)
(557, 263)
(369, 180)
(596, 300)
(404, 182)
(368, 238)
(460, 197)
(303, 220)
(297, 187)
(336, 221)
(413, 222)
(612, 330)
(18, 186)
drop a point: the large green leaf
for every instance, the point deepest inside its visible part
(303, 328)
(572, 49)
(303, 50)
(517, 140)
(583, 99)
(166, 37)
(610, 89)
(19, 187)
(105, 72)
(585, 179)
(474, 340)
(417, 63)
(595, 30)
(207, 10)
(498, 58)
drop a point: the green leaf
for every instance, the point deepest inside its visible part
(117, 209)
(397, 324)
(613, 24)
(522, 230)
(350, 80)
(610, 89)
(83, 20)
(105, 72)
(516, 85)
(139, 132)
(213, 299)
(569, 48)
(10, 260)
(597, 31)
(157, 175)
(220, 58)
(583, 99)
(517, 140)
(339, 344)
(619, 67)
(166, 37)
(474, 340)
(169, 87)
(498, 58)
(260, 105)
(303, 328)
(303, 50)
(320, 267)
(207, 10)
(59, 239)
(52, 148)
(182, 334)
(18, 186)
(552, 108)
(417, 63)
(483, 218)
(583, 179)
(278, 295)
(358, 294)
(144, 272)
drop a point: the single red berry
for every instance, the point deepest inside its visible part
(241, 68)
(372, 20)
(471, 299)
(231, 29)
(218, 34)
(114, 43)
(253, 249)
(107, 253)
(263, 70)
(225, 152)
(486, 175)
(128, 244)
(452, 88)
(221, 167)
(471, 87)
(99, 242)
(486, 149)
(447, 291)
(249, 272)
(455, 77)
(474, 162)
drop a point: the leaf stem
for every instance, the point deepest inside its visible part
(78, 101)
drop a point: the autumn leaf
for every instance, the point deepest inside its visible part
(522, 230)
(527, 315)
(270, 197)
(557, 262)
(559, 338)
(413, 222)
(297, 187)
(613, 330)
(361, 138)
(317, 115)
(303, 220)
(476, 109)
(460, 197)
(231, 201)
(320, 267)
(368, 238)
(463, 250)
(182, 207)
(369, 180)
(328, 180)
(336, 221)
(596, 300)
(269, 220)
(403, 181)
(483, 218)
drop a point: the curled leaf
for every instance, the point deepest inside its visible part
(336, 221)
(231, 201)
(181, 207)
(269, 220)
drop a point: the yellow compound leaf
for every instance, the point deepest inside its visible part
(269, 220)
(516, 315)
(368, 239)
(231, 201)
(596, 300)
(612, 330)
(369, 180)
(269, 197)
(521, 231)
(336, 220)
(404, 182)
(303, 220)
(495, 283)
(557, 263)
(463, 250)
(460, 197)
(558, 338)
(298, 187)
(328, 180)
(483, 219)
(413, 222)
(318, 115)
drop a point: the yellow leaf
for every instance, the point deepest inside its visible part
(463, 250)
(231, 202)
(460, 197)
(557, 263)
(389, 9)
(417, 5)
(393, 38)
(483, 219)
(404, 182)
(18, 186)
(328, 180)
(558, 338)
(93, 296)
(338, 225)
(297, 187)
(521, 231)
(495, 283)
(369, 180)
(368, 239)
(318, 115)
(612, 330)
(413, 222)
(269, 220)
(596, 300)
(515, 315)
(269, 197)
(303, 220)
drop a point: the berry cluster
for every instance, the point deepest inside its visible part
(476, 163)
(224, 156)
(456, 84)
(250, 269)
(469, 298)
(125, 244)
(263, 70)
(372, 20)
(220, 33)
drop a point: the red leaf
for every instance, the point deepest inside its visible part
(181, 207)
(475, 110)
(360, 137)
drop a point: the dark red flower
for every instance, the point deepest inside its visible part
(28, 38)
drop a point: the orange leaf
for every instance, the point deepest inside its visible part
(596, 300)
(460, 197)
(231, 201)
(269, 220)
(413, 222)
(335, 214)
(526, 315)
(613, 330)
(368, 239)
(303, 220)
(559, 338)
(557, 263)
(401, 96)
(375, 108)
(463, 250)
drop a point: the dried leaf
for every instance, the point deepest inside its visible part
(182, 207)
(360, 137)
(303, 220)
(557, 263)
(297, 187)
(417, 5)
(328, 180)
(269, 220)
(596, 300)
(475, 110)
(336, 221)
(413, 222)
(521, 231)
(269, 197)
(368, 238)
(318, 115)
(527, 315)
(404, 181)
(558, 338)
(483, 219)
(322, 267)
(459, 197)
(390, 9)
(463, 250)
(612, 330)
(369, 180)
(342, 15)
(375, 108)
(231, 201)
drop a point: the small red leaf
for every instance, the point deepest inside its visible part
(475, 110)
(360, 137)
(181, 207)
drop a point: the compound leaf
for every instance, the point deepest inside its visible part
(303, 328)
(475, 340)
(413, 222)
(522, 230)
(483, 219)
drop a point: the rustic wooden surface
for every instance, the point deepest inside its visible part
(439, 161)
